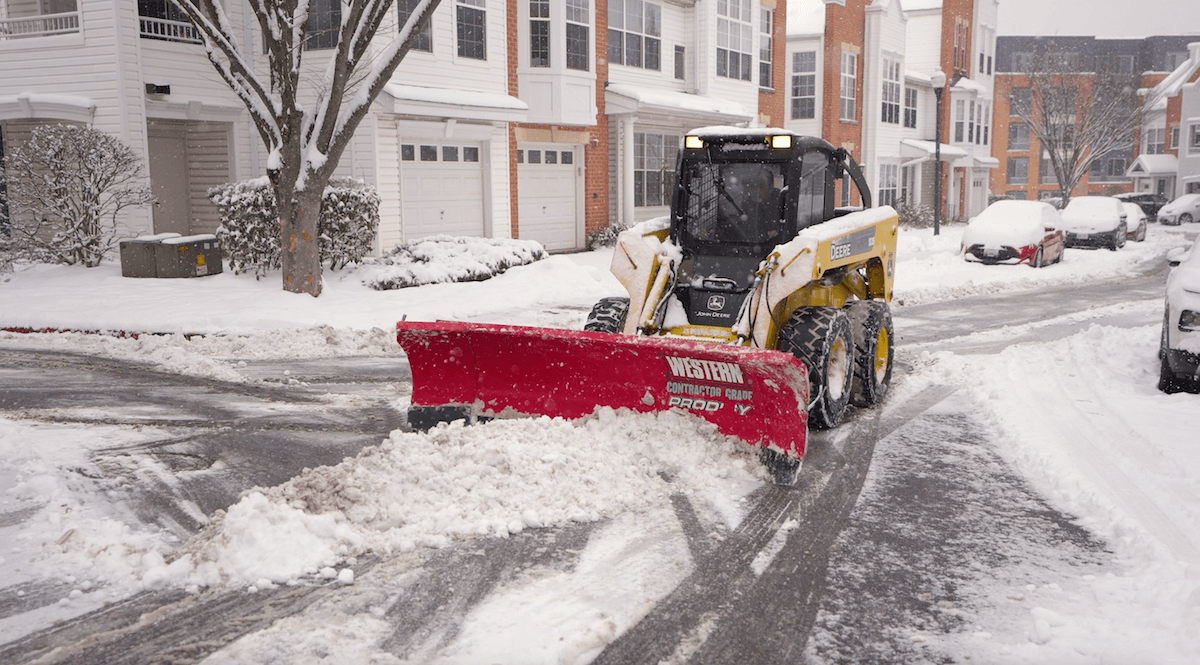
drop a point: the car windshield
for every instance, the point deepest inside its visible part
(1091, 206)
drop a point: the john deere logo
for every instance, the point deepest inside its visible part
(716, 303)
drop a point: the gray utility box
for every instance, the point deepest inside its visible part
(137, 255)
(188, 256)
(171, 255)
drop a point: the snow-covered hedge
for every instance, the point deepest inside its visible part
(249, 230)
(442, 258)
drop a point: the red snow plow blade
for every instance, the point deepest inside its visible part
(467, 370)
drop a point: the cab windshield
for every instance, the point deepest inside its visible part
(739, 203)
(744, 207)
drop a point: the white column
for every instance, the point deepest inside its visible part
(626, 170)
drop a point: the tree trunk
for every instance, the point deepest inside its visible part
(299, 214)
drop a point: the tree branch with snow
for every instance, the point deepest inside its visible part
(306, 116)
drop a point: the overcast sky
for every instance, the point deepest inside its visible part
(1100, 18)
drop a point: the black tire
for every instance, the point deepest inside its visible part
(1038, 259)
(821, 338)
(1166, 378)
(874, 348)
(1185, 218)
(608, 315)
(1118, 239)
(1140, 236)
(1167, 381)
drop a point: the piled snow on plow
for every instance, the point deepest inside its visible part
(457, 482)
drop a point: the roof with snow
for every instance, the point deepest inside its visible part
(1170, 86)
(624, 98)
(917, 5)
(1151, 164)
(42, 105)
(475, 104)
(805, 17)
(922, 150)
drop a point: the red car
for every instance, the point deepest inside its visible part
(1027, 232)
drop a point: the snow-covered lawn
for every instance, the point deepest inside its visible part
(1079, 417)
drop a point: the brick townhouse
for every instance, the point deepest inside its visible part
(1148, 165)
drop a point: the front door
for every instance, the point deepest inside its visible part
(169, 179)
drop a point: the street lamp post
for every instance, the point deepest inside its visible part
(939, 82)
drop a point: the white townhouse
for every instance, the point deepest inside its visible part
(436, 146)
(1169, 163)
(860, 75)
(675, 65)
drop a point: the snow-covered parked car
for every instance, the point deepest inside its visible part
(1095, 221)
(1179, 349)
(1147, 201)
(1015, 232)
(1135, 222)
(1183, 210)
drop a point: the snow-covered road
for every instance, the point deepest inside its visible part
(1065, 401)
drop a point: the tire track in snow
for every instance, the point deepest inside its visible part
(725, 611)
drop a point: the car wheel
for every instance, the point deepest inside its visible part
(1038, 260)
(1185, 218)
(1118, 239)
(1166, 379)
(1141, 234)
(821, 338)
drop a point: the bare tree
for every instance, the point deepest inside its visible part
(67, 185)
(1077, 116)
(305, 137)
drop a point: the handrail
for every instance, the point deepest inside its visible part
(171, 31)
(45, 25)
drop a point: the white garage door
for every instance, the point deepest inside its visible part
(547, 183)
(442, 189)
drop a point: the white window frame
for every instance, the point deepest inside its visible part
(424, 42)
(891, 95)
(888, 188)
(848, 89)
(735, 39)
(653, 153)
(1194, 139)
(911, 101)
(804, 80)
(462, 9)
(579, 15)
(960, 120)
(766, 24)
(1156, 140)
(639, 19)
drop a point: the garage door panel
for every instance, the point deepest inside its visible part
(441, 197)
(548, 208)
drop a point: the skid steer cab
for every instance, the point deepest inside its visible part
(759, 305)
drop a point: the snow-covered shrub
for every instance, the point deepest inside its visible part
(605, 237)
(67, 186)
(914, 217)
(444, 258)
(249, 230)
(349, 220)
